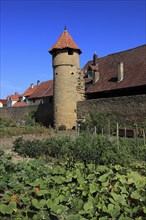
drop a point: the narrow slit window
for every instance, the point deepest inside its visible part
(70, 51)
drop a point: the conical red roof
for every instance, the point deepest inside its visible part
(65, 41)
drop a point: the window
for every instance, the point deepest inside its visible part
(70, 51)
(89, 74)
(50, 99)
(56, 74)
(72, 73)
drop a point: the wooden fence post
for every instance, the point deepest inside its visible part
(78, 129)
(102, 132)
(125, 133)
(95, 130)
(143, 137)
(117, 135)
(108, 131)
(136, 135)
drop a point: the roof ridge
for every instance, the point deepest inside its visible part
(125, 50)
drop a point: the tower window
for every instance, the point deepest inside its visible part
(72, 73)
(56, 73)
(70, 51)
(50, 99)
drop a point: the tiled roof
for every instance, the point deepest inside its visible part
(14, 97)
(3, 101)
(43, 90)
(93, 67)
(134, 61)
(17, 104)
(29, 91)
(65, 41)
(88, 80)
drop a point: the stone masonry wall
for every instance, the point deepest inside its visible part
(131, 108)
(44, 113)
(68, 88)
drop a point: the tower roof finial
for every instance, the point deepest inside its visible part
(65, 29)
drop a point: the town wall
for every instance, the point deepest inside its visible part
(131, 109)
(43, 113)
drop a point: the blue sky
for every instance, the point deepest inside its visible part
(30, 27)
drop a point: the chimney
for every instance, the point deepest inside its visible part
(38, 82)
(16, 93)
(95, 76)
(120, 71)
(31, 86)
(95, 58)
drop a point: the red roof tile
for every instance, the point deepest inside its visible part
(134, 61)
(3, 101)
(65, 41)
(17, 104)
(29, 91)
(43, 90)
(14, 97)
(93, 67)
(88, 80)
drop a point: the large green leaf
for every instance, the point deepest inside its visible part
(58, 209)
(104, 177)
(69, 176)
(91, 176)
(6, 197)
(42, 192)
(94, 187)
(38, 204)
(8, 209)
(88, 206)
(53, 192)
(80, 177)
(38, 182)
(58, 179)
(91, 167)
(144, 210)
(74, 217)
(3, 208)
(103, 218)
(135, 195)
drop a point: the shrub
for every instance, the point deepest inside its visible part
(86, 148)
(7, 122)
(101, 121)
(31, 118)
(35, 148)
(1, 153)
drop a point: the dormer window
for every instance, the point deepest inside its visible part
(70, 51)
(89, 74)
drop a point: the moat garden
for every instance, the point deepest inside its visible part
(72, 175)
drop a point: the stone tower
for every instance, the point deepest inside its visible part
(68, 80)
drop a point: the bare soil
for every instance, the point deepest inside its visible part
(6, 144)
